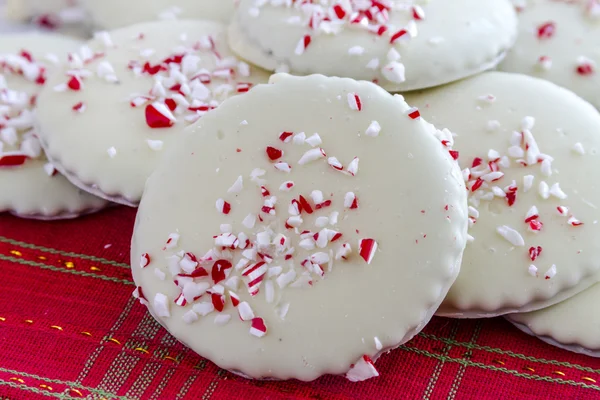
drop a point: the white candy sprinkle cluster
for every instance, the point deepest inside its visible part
(273, 252)
(181, 87)
(483, 179)
(373, 17)
(18, 140)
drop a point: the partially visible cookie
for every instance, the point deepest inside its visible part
(112, 14)
(63, 15)
(559, 41)
(284, 237)
(573, 325)
(30, 185)
(401, 45)
(108, 115)
(530, 153)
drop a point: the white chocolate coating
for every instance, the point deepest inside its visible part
(116, 149)
(112, 14)
(571, 41)
(572, 325)
(455, 39)
(334, 322)
(27, 190)
(498, 274)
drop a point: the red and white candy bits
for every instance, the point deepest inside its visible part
(558, 41)
(263, 223)
(31, 186)
(387, 42)
(155, 79)
(530, 205)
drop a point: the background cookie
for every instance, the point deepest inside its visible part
(63, 15)
(559, 41)
(529, 150)
(271, 210)
(106, 117)
(30, 186)
(571, 325)
(111, 14)
(403, 46)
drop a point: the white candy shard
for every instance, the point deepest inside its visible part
(511, 235)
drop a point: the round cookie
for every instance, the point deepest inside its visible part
(30, 186)
(529, 153)
(112, 14)
(569, 325)
(293, 209)
(106, 118)
(559, 41)
(396, 44)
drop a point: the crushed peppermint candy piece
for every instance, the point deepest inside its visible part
(374, 129)
(354, 102)
(551, 273)
(511, 235)
(312, 155)
(223, 206)
(533, 270)
(161, 305)
(144, 260)
(258, 328)
(363, 369)
(367, 249)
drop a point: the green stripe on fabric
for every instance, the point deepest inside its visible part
(63, 270)
(509, 353)
(62, 253)
(499, 369)
(61, 382)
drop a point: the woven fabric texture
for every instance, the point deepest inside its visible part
(70, 329)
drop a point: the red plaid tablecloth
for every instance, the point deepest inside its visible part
(70, 329)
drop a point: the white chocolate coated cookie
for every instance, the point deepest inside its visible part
(559, 41)
(64, 16)
(108, 115)
(401, 45)
(23, 10)
(29, 185)
(293, 210)
(573, 325)
(530, 155)
(111, 14)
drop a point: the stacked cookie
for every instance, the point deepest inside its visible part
(309, 225)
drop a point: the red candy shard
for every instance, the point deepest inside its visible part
(534, 252)
(285, 136)
(273, 153)
(367, 249)
(476, 162)
(79, 107)
(585, 69)
(414, 113)
(305, 205)
(171, 104)
(156, 119)
(259, 328)
(218, 301)
(454, 154)
(218, 270)
(74, 83)
(546, 30)
(144, 260)
(12, 160)
(478, 183)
